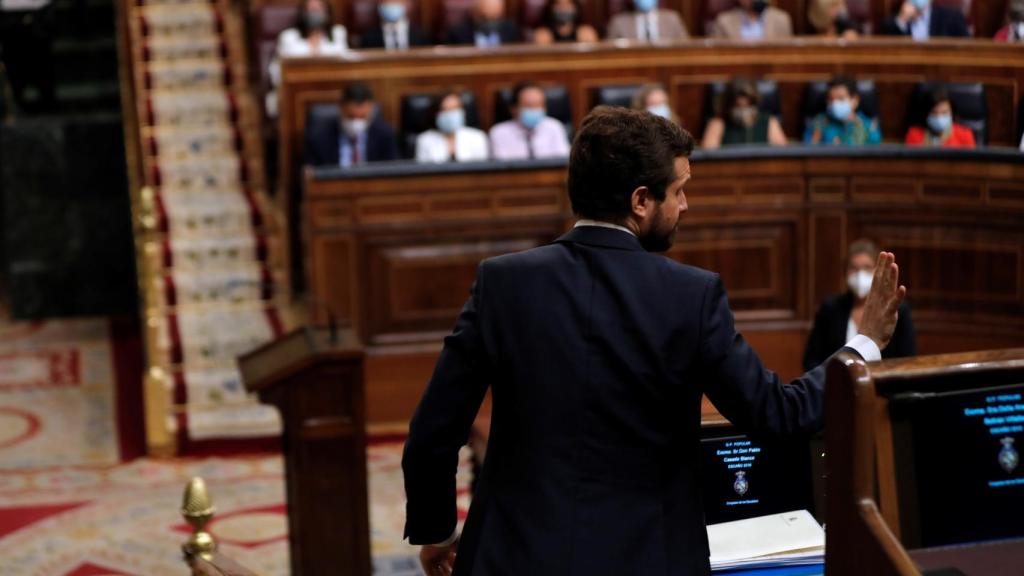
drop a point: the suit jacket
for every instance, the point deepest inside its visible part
(944, 22)
(465, 33)
(728, 24)
(597, 353)
(830, 330)
(323, 145)
(374, 37)
(670, 26)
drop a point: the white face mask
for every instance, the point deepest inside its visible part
(355, 126)
(860, 282)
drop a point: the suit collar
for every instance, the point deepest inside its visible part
(603, 237)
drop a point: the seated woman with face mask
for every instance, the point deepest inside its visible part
(939, 129)
(740, 122)
(453, 141)
(562, 21)
(842, 124)
(314, 34)
(840, 314)
(654, 99)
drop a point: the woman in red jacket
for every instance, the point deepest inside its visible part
(939, 129)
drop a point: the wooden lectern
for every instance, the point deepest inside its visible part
(315, 378)
(874, 525)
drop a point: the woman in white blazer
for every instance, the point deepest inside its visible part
(312, 35)
(453, 141)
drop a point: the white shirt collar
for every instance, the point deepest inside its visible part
(599, 224)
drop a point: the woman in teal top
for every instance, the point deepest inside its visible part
(842, 124)
(739, 121)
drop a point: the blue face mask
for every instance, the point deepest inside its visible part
(531, 117)
(921, 4)
(840, 109)
(450, 121)
(391, 12)
(645, 5)
(940, 123)
(661, 110)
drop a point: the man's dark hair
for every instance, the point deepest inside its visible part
(356, 93)
(845, 81)
(618, 150)
(522, 87)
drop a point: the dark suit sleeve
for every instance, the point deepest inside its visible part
(904, 340)
(441, 426)
(891, 28)
(751, 397)
(373, 38)
(817, 343)
(389, 145)
(313, 155)
(958, 25)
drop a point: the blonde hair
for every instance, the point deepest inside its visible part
(818, 13)
(640, 96)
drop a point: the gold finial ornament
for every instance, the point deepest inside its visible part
(197, 508)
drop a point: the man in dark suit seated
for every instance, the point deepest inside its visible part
(394, 31)
(923, 20)
(486, 27)
(598, 351)
(359, 136)
(840, 315)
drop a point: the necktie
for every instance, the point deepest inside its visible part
(354, 142)
(529, 144)
(393, 38)
(649, 27)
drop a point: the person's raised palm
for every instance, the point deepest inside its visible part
(881, 307)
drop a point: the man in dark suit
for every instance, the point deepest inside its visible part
(598, 352)
(486, 27)
(840, 314)
(395, 31)
(357, 137)
(923, 20)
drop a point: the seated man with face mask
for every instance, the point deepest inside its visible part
(486, 27)
(395, 30)
(921, 19)
(842, 124)
(358, 137)
(647, 23)
(453, 141)
(531, 133)
(752, 20)
(841, 314)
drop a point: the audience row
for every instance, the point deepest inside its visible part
(745, 112)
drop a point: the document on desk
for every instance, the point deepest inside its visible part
(787, 539)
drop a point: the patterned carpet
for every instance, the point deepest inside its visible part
(67, 508)
(123, 519)
(57, 394)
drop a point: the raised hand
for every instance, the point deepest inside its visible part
(881, 307)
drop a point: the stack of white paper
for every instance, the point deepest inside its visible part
(788, 539)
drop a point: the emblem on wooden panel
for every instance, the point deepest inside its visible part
(1008, 456)
(741, 485)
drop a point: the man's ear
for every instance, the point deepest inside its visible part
(639, 202)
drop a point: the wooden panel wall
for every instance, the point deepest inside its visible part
(776, 228)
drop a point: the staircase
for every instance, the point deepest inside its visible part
(210, 250)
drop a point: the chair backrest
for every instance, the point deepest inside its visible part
(860, 11)
(964, 6)
(816, 93)
(768, 91)
(556, 96)
(616, 95)
(417, 118)
(530, 13)
(453, 13)
(969, 102)
(712, 8)
(320, 113)
(268, 23)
